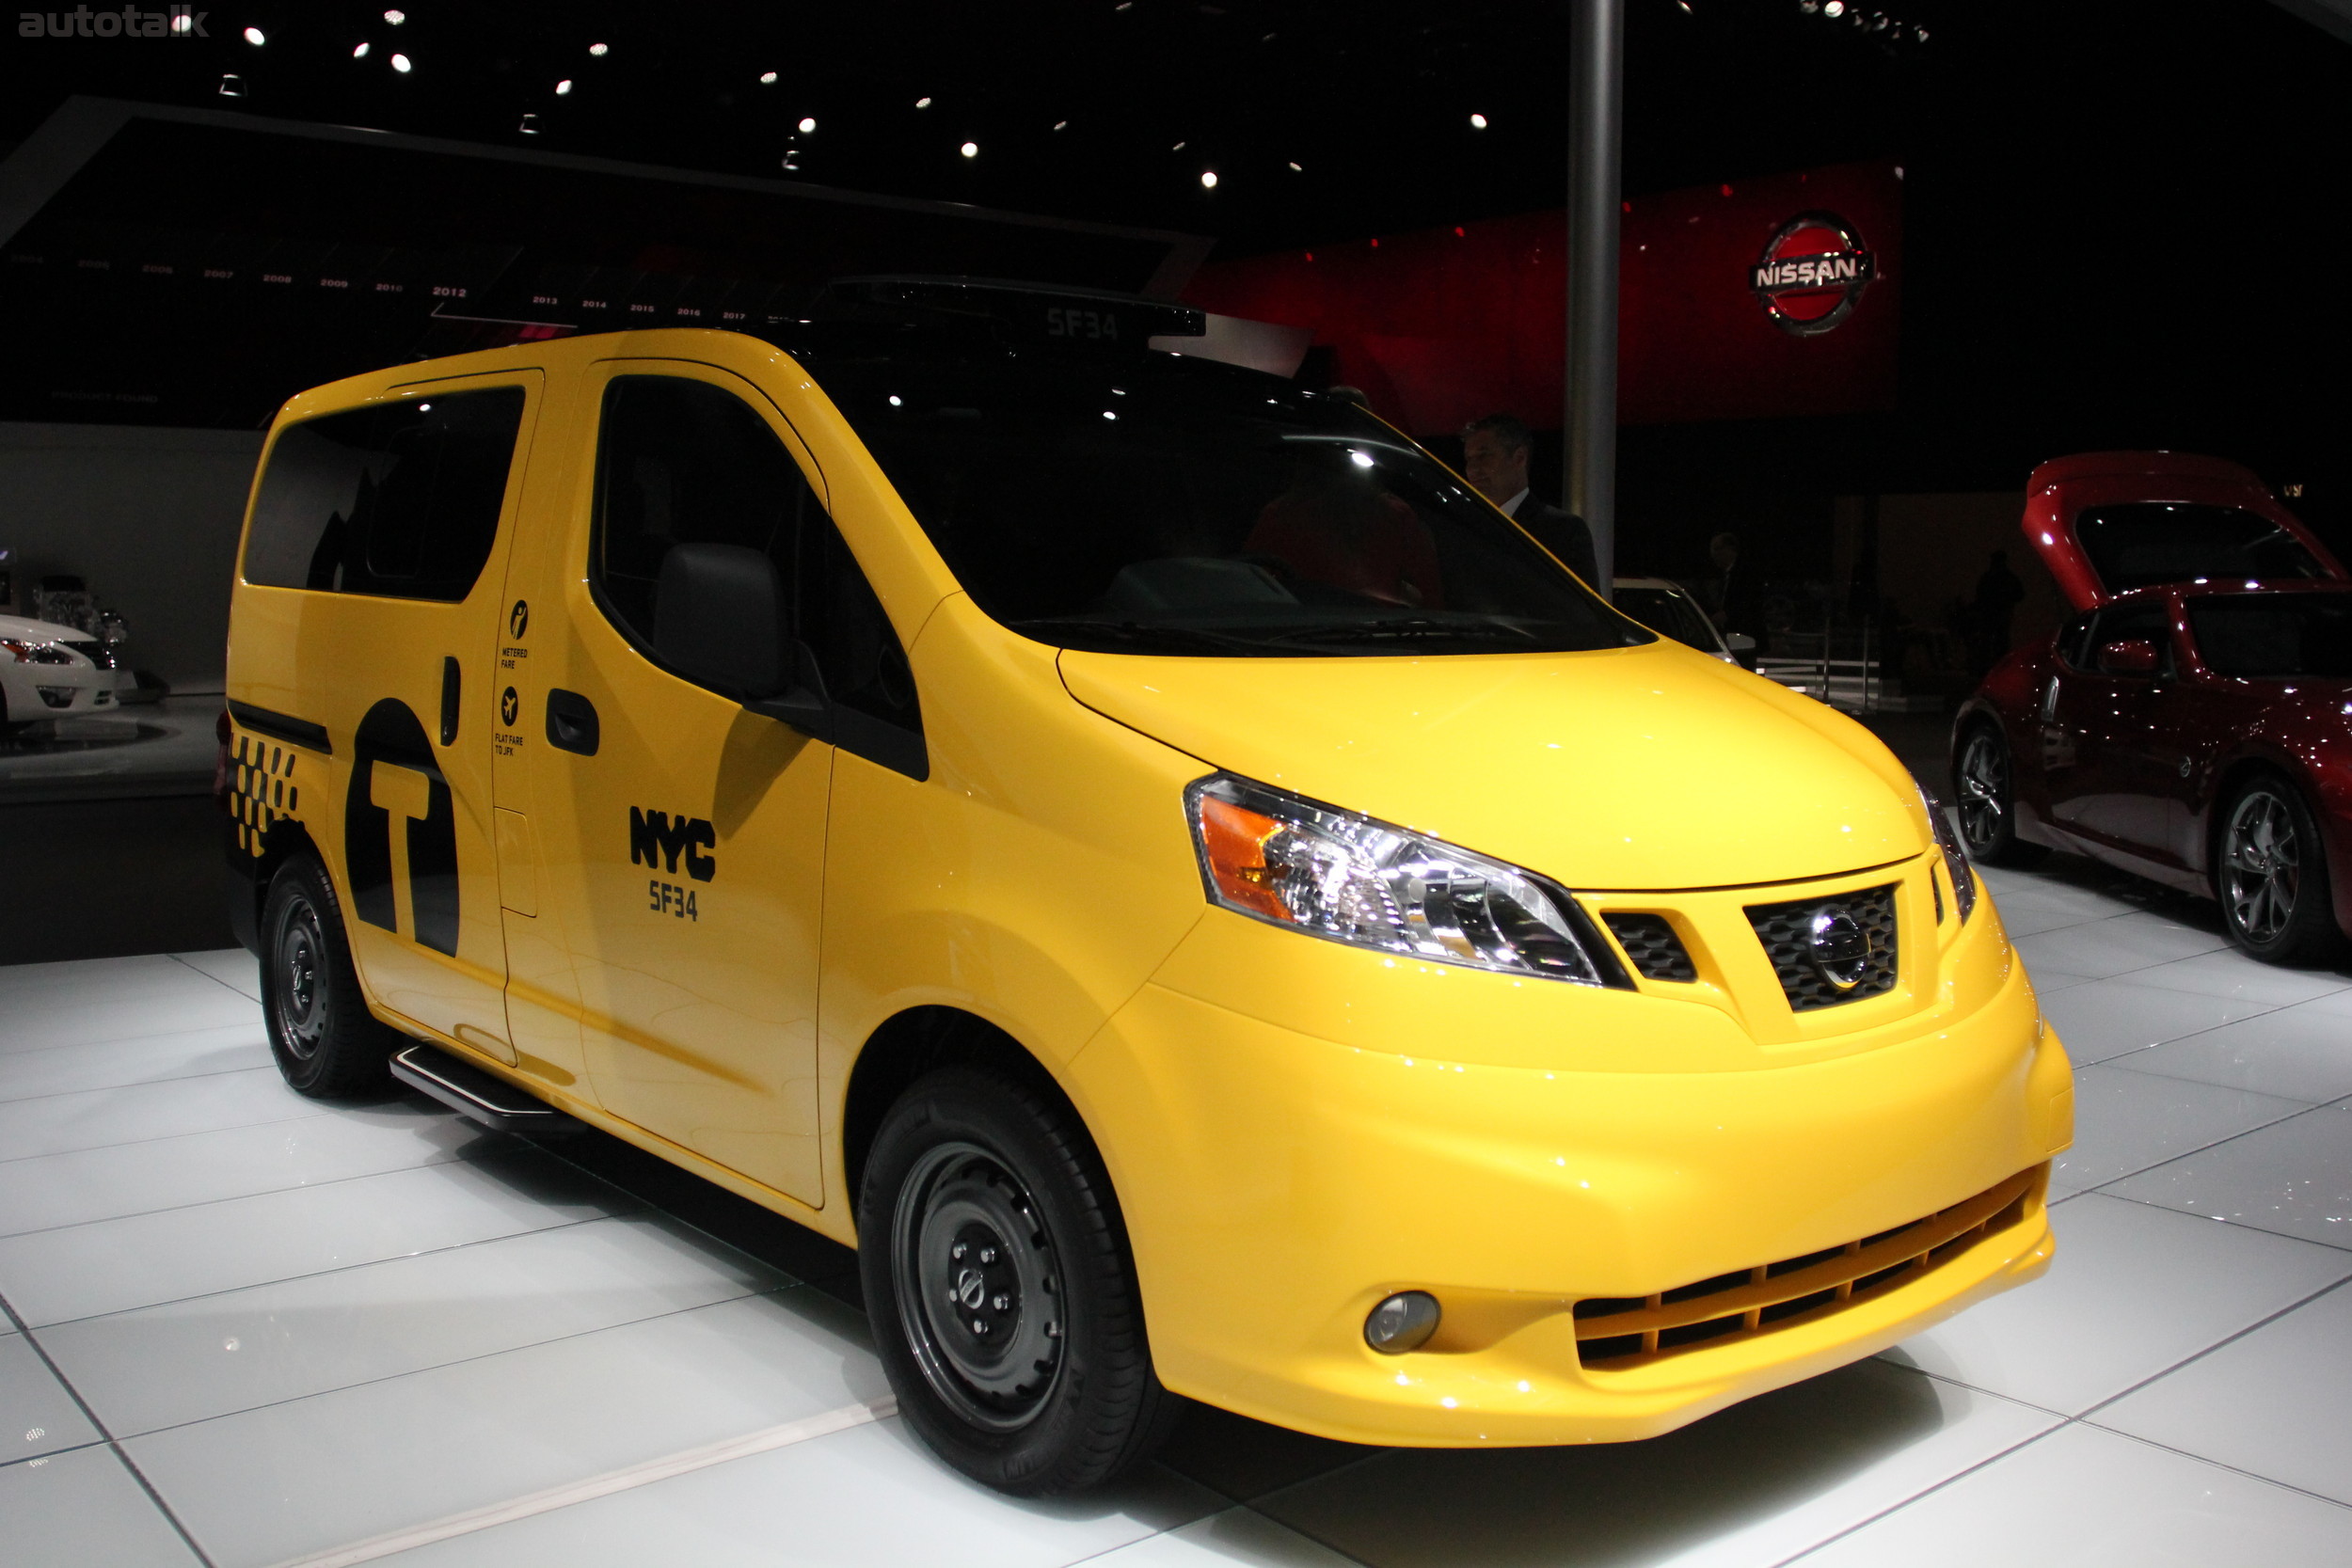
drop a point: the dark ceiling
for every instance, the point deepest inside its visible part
(2126, 220)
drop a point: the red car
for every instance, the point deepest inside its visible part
(2193, 722)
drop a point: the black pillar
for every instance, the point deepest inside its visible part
(1596, 89)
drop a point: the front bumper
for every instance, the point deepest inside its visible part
(1277, 1184)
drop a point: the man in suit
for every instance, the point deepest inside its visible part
(1495, 450)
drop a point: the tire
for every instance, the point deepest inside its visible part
(2270, 873)
(328, 1044)
(1984, 793)
(992, 1191)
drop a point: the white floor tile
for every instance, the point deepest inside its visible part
(49, 1191)
(2086, 1498)
(1237, 1535)
(2133, 1292)
(233, 967)
(2230, 972)
(2107, 1018)
(170, 1005)
(872, 1495)
(84, 1510)
(2294, 1178)
(344, 1467)
(1749, 1485)
(191, 1360)
(2272, 1403)
(37, 1415)
(115, 1265)
(103, 1118)
(2298, 1053)
(2025, 917)
(2337, 1002)
(2128, 1122)
(88, 977)
(2116, 947)
(114, 1063)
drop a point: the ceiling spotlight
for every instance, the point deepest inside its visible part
(1061, 125)
(807, 125)
(563, 87)
(1834, 8)
(233, 86)
(922, 103)
(395, 17)
(1296, 170)
(530, 127)
(400, 63)
(767, 78)
(360, 53)
(1178, 148)
(970, 149)
(1478, 122)
(182, 22)
(599, 50)
(253, 36)
(1208, 178)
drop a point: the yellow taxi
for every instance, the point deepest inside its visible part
(1200, 900)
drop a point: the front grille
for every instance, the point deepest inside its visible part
(1787, 932)
(1657, 952)
(97, 653)
(1617, 1332)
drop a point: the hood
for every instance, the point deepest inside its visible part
(2107, 522)
(1650, 768)
(27, 630)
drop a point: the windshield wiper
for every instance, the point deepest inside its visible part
(1135, 633)
(1407, 626)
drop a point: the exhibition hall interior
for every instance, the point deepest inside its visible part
(1156, 784)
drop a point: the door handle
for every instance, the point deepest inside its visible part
(449, 702)
(572, 723)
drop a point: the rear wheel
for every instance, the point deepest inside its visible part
(1001, 1292)
(326, 1042)
(1984, 779)
(2270, 873)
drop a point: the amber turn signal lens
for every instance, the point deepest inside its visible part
(1234, 838)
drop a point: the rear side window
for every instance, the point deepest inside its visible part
(682, 462)
(399, 499)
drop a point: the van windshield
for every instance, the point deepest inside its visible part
(1154, 504)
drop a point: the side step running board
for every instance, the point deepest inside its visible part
(477, 1096)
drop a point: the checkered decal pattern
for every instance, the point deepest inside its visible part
(261, 789)
(1787, 931)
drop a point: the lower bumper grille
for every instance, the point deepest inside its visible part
(1617, 1332)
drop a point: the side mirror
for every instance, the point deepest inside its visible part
(2133, 656)
(719, 619)
(1739, 642)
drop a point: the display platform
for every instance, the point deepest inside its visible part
(162, 748)
(373, 1333)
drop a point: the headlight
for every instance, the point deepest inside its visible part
(34, 653)
(1345, 877)
(1964, 881)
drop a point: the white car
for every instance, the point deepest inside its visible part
(1667, 608)
(52, 671)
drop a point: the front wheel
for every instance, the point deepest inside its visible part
(1984, 779)
(1001, 1292)
(328, 1044)
(2271, 875)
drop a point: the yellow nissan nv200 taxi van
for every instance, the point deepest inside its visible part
(1205, 903)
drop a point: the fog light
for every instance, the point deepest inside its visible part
(56, 696)
(1404, 1322)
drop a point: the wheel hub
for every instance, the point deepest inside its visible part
(979, 1289)
(300, 998)
(2261, 867)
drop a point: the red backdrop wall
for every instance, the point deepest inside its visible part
(1443, 325)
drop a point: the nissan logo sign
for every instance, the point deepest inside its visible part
(1812, 273)
(1838, 947)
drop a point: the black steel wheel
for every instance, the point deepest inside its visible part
(328, 1044)
(1001, 1288)
(1984, 788)
(2270, 872)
